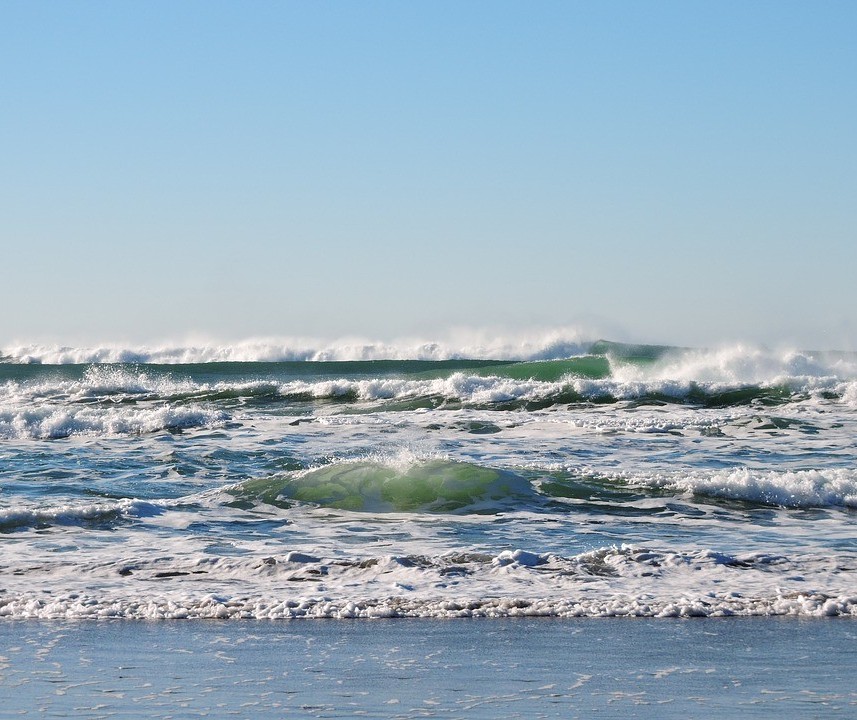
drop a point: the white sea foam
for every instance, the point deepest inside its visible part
(487, 390)
(222, 607)
(607, 582)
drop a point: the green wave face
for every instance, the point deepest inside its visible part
(429, 486)
(595, 365)
(590, 366)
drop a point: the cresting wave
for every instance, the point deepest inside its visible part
(743, 363)
(396, 484)
(557, 382)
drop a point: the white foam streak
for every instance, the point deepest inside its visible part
(607, 582)
(80, 607)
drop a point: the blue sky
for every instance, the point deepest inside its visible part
(680, 172)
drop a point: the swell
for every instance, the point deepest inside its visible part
(395, 484)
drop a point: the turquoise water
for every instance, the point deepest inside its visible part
(620, 480)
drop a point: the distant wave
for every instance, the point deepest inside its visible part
(544, 345)
(50, 422)
(632, 370)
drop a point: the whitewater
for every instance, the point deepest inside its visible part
(548, 476)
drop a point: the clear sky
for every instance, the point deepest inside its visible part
(680, 172)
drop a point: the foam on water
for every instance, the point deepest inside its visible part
(607, 582)
(482, 390)
(796, 488)
(477, 390)
(30, 409)
(632, 480)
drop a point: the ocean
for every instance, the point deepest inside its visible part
(563, 479)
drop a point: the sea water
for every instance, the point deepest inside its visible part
(571, 479)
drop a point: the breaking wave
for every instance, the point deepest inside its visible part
(789, 488)
(50, 422)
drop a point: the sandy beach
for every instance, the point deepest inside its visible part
(511, 668)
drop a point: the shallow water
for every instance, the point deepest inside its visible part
(513, 668)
